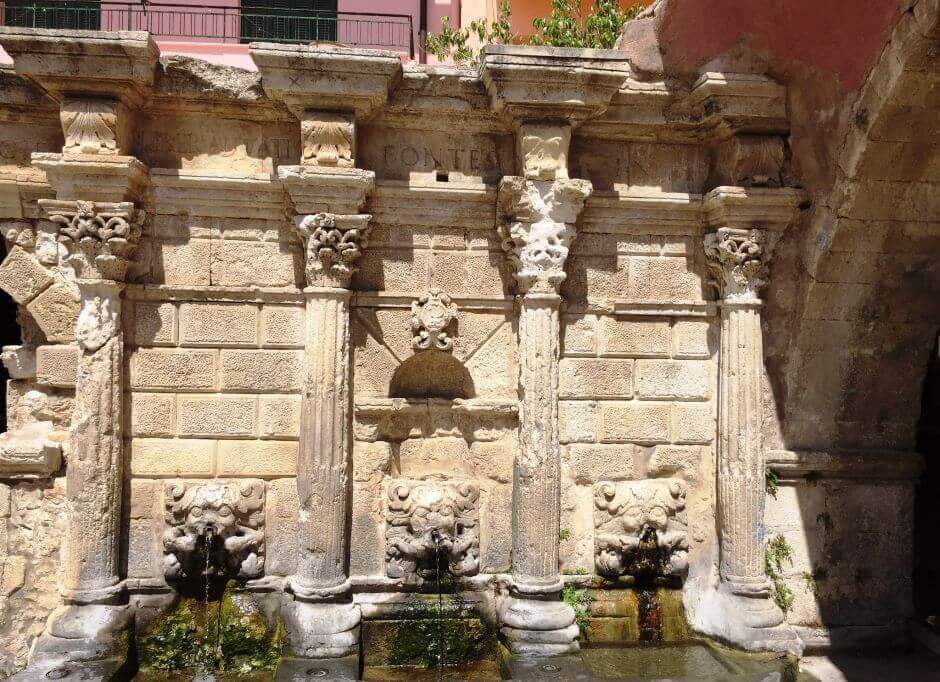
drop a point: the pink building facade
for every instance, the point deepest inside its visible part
(219, 30)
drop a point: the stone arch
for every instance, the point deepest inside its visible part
(431, 374)
(868, 302)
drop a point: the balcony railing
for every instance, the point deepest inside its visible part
(250, 21)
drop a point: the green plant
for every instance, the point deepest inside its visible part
(454, 43)
(771, 481)
(566, 27)
(564, 534)
(777, 552)
(813, 579)
(579, 600)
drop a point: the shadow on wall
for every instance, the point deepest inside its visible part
(10, 334)
(431, 374)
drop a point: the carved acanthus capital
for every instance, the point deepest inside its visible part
(430, 521)
(739, 262)
(538, 228)
(431, 316)
(100, 238)
(327, 138)
(332, 245)
(94, 125)
(214, 528)
(543, 151)
(641, 529)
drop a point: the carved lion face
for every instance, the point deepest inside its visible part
(212, 507)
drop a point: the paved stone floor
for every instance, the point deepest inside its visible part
(914, 666)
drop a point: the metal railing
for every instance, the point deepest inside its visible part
(223, 24)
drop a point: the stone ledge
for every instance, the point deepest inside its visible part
(118, 64)
(380, 406)
(876, 465)
(217, 194)
(31, 452)
(631, 307)
(551, 83)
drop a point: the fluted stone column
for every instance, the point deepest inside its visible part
(540, 226)
(738, 259)
(100, 239)
(325, 623)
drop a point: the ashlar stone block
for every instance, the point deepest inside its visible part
(23, 276)
(55, 310)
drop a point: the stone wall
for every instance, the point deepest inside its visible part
(519, 316)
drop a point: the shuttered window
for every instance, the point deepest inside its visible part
(77, 14)
(293, 20)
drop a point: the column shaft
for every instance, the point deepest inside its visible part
(536, 508)
(740, 449)
(95, 464)
(323, 457)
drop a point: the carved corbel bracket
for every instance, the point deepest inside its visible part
(641, 529)
(332, 245)
(542, 150)
(95, 125)
(428, 521)
(327, 138)
(100, 237)
(538, 227)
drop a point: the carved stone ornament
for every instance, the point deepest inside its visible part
(641, 529)
(432, 524)
(332, 245)
(539, 229)
(91, 126)
(749, 161)
(98, 320)
(431, 315)
(738, 262)
(214, 527)
(100, 237)
(543, 151)
(328, 138)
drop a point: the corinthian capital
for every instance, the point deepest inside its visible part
(738, 262)
(100, 237)
(539, 227)
(332, 245)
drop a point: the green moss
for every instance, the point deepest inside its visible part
(226, 636)
(564, 534)
(246, 643)
(579, 600)
(777, 552)
(176, 641)
(417, 638)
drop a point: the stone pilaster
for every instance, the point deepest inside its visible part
(322, 620)
(738, 255)
(100, 239)
(536, 236)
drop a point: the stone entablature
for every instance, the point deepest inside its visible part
(412, 278)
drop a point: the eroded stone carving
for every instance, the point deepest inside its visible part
(98, 320)
(215, 526)
(431, 316)
(328, 138)
(738, 262)
(539, 228)
(429, 521)
(749, 161)
(332, 244)
(100, 237)
(543, 151)
(641, 529)
(91, 125)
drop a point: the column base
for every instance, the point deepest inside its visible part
(83, 634)
(323, 629)
(540, 626)
(751, 621)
